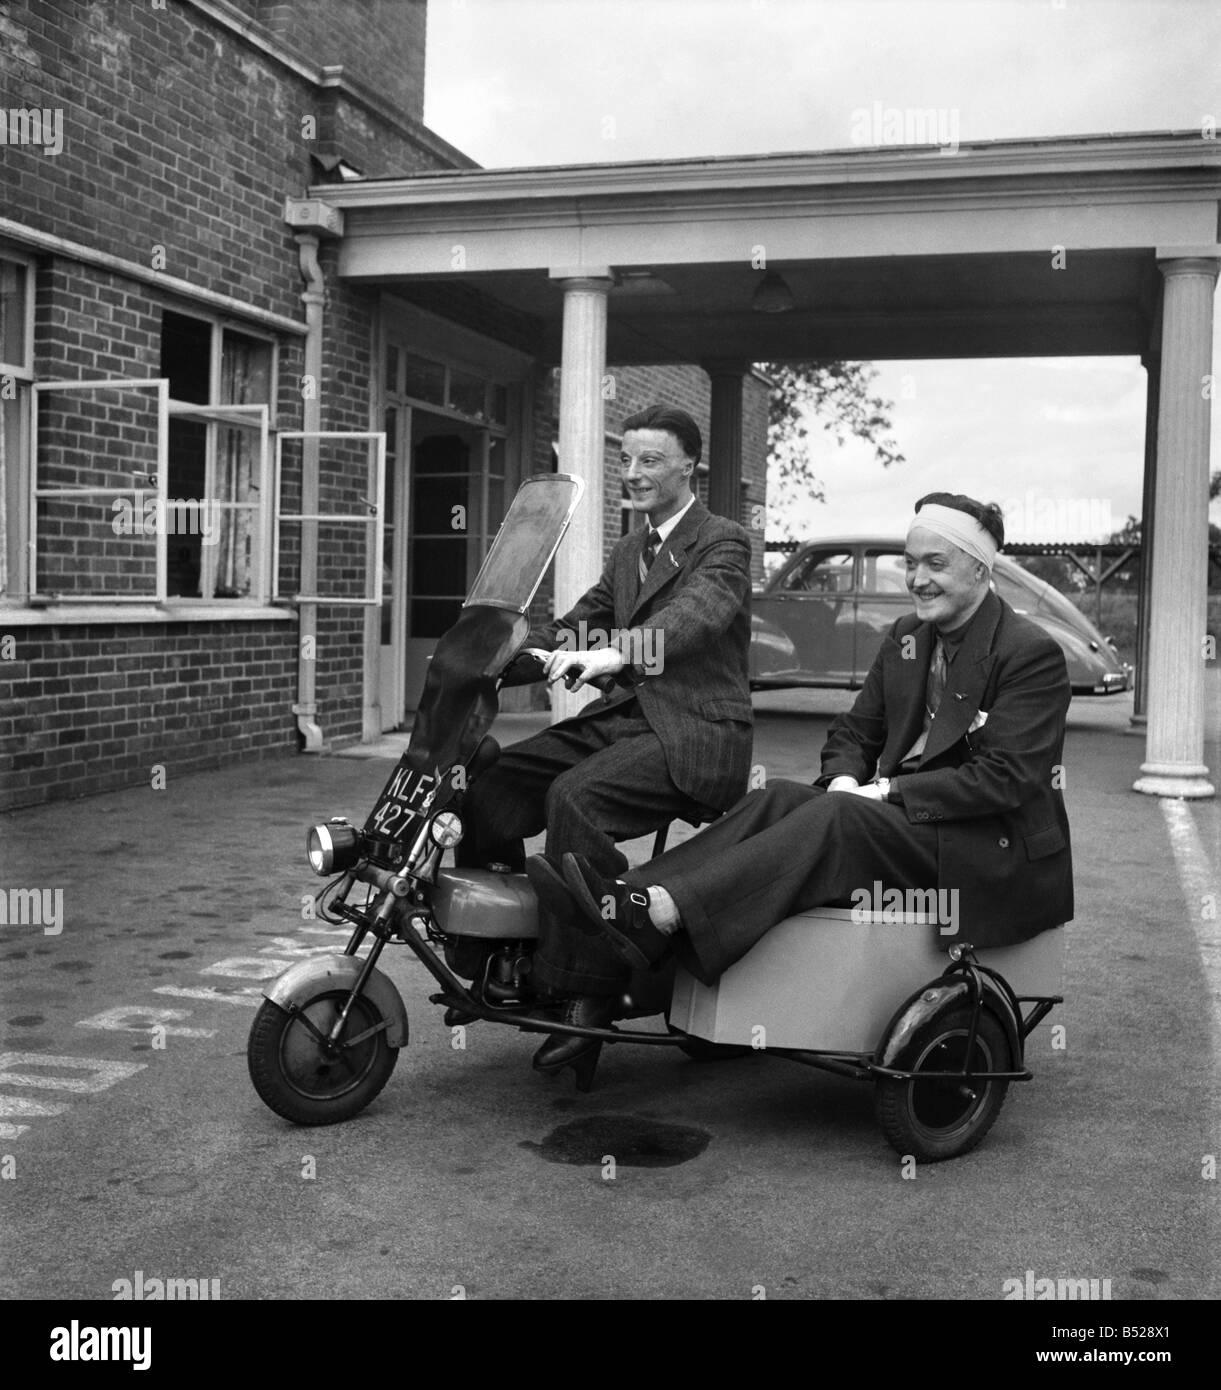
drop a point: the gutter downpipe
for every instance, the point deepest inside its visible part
(313, 297)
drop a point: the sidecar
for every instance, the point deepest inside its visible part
(870, 995)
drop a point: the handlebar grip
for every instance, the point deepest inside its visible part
(603, 683)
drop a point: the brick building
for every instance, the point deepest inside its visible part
(184, 376)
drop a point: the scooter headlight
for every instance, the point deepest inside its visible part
(332, 847)
(446, 829)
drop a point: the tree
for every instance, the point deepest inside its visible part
(838, 394)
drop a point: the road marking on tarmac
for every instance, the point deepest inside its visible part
(1197, 876)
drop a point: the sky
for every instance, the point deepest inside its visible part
(1058, 442)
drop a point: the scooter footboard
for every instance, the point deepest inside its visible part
(821, 982)
(319, 974)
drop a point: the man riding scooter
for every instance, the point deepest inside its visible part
(669, 621)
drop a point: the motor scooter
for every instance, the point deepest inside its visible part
(820, 988)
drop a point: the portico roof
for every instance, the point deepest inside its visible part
(1002, 248)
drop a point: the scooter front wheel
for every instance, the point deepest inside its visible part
(299, 1077)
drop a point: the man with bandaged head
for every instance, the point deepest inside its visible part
(945, 773)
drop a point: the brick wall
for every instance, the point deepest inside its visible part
(97, 709)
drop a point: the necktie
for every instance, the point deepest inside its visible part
(934, 688)
(649, 553)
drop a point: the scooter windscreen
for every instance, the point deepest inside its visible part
(459, 699)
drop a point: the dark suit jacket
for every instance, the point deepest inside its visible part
(694, 610)
(993, 795)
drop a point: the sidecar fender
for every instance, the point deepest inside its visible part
(302, 981)
(940, 997)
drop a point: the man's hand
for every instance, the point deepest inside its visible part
(870, 791)
(580, 668)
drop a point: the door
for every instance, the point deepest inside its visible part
(457, 500)
(803, 626)
(882, 598)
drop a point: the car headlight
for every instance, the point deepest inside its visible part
(332, 847)
(446, 829)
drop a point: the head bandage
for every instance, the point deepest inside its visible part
(960, 528)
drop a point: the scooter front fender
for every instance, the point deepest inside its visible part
(301, 982)
(940, 997)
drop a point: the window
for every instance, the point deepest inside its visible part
(16, 374)
(821, 572)
(217, 466)
(885, 572)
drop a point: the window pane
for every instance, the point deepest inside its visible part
(439, 567)
(424, 379)
(822, 572)
(435, 500)
(12, 313)
(434, 617)
(885, 572)
(186, 357)
(500, 404)
(392, 368)
(245, 370)
(468, 393)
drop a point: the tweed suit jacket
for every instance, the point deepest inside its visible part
(692, 616)
(993, 792)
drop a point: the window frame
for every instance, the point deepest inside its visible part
(15, 544)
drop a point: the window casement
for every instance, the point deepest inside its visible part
(158, 490)
(16, 379)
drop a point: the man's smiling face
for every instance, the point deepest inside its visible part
(943, 580)
(656, 473)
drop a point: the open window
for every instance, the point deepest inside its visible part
(350, 469)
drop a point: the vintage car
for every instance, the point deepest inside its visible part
(821, 618)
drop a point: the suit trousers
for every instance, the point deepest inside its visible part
(589, 781)
(779, 851)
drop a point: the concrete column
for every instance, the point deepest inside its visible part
(725, 438)
(1174, 751)
(1152, 363)
(581, 447)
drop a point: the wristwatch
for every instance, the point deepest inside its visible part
(884, 787)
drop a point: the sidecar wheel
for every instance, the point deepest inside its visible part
(296, 1078)
(933, 1120)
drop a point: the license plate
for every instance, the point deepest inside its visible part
(407, 793)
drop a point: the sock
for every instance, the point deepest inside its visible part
(663, 911)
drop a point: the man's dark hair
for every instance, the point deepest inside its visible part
(673, 421)
(988, 514)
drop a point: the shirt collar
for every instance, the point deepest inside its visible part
(667, 526)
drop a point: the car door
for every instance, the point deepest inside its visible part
(803, 624)
(881, 597)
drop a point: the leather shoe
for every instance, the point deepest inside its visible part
(566, 1050)
(543, 871)
(620, 913)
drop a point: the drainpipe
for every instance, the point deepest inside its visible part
(313, 297)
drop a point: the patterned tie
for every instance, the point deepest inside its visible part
(934, 688)
(649, 553)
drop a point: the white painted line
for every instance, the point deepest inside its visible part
(120, 1020)
(250, 997)
(12, 1131)
(104, 1074)
(1199, 880)
(13, 1105)
(286, 946)
(248, 967)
